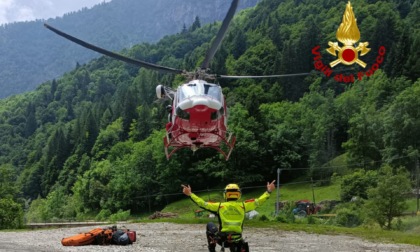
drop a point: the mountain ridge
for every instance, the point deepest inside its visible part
(31, 55)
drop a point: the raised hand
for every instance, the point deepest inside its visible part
(271, 186)
(186, 189)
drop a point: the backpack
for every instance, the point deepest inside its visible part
(119, 237)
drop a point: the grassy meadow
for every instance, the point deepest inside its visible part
(409, 231)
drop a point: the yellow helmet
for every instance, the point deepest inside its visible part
(232, 192)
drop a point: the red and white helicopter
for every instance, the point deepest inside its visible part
(198, 114)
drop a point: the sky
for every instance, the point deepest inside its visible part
(28, 10)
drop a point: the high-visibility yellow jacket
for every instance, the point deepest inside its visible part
(231, 214)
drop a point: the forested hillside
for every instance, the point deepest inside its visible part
(30, 54)
(91, 140)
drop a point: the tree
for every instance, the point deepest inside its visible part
(257, 60)
(401, 124)
(30, 181)
(364, 141)
(399, 54)
(281, 137)
(31, 123)
(86, 130)
(184, 29)
(8, 189)
(246, 162)
(196, 24)
(107, 138)
(90, 189)
(240, 43)
(11, 214)
(55, 154)
(387, 200)
(412, 66)
(128, 102)
(319, 116)
(143, 126)
(357, 184)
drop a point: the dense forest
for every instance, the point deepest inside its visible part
(91, 140)
(30, 54)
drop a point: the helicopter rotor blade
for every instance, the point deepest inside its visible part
(221, 33)
(115, 55)
(260, 76)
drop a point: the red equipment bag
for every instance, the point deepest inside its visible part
(132, 236)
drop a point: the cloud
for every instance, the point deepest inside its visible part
(25, 13)
(5, 5)
(27, 10)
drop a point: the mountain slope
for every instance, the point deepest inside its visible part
(92, 139)
(30, 54)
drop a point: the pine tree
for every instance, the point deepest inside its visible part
(31, 124)
(196, 24)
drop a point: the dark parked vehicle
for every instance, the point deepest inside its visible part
(305, 207)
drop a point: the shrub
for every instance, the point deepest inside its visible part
(357, 184)
(399, 225)
(281, 218)
(286, 217)
(57, 206)
(37, 211)
(263, 218)
(120, 216)
(311, 219)
(11, 214)
(103, 215)
(287, 212)
(347, 218)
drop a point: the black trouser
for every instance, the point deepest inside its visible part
(225, 240)
(211, 233)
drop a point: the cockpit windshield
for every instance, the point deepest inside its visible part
(200, 89)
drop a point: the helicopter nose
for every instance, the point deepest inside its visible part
(200, 104)
(200, 108)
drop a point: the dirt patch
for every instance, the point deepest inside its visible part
(191, 238)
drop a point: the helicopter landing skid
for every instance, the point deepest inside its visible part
(172, 146)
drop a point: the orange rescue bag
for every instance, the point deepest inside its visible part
(83, 238)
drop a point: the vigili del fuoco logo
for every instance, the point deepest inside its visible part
(348, 53)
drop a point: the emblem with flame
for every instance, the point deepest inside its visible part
(348, 33)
